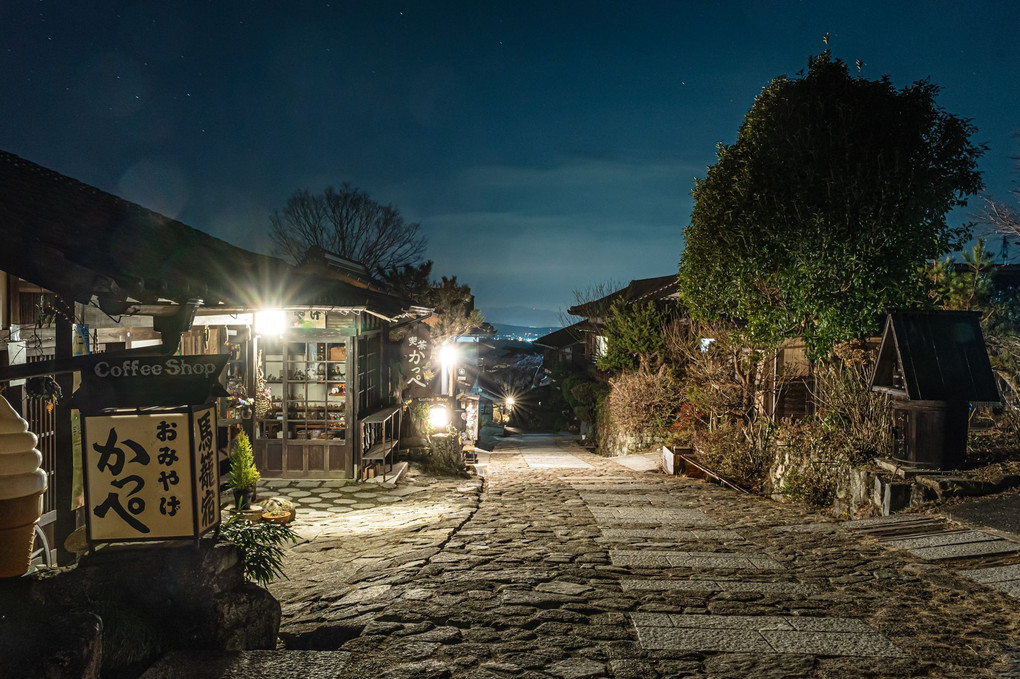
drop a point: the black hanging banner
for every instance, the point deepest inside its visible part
(149, 381)
(416, 363)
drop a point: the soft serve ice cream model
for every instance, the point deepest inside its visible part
(22, 484)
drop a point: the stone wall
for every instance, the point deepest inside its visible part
(614, 444)
(120, 609)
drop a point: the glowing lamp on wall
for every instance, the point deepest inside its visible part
(448, 355)
(270, 322)
(438, 417)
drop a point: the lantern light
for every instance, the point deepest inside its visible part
(438, 417)
(270, 322)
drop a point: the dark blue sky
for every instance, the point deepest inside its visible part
(542, 145)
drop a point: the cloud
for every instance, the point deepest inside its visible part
(585, 171)
(511, 258)
(530, 235)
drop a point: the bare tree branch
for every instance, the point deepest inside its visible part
(349, 223)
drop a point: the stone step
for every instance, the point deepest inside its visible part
(889, 527)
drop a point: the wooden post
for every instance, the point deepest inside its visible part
(64, 482)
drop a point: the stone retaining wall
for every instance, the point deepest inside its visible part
(120, 609)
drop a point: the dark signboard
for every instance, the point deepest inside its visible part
(416, 363)
(149, 381)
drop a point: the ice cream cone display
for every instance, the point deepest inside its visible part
(22, 484)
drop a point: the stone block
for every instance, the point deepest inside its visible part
(994, 574)
(702, 640)
(969, 549)
(156, 598)
(942, 539)
(680, 586)
(68, 646)
(890, 496)
(956, 486)
(920, 494)
(831, 643)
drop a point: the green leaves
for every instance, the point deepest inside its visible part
(243, 473)
(815, 221)
(261, 546)
(634, 332)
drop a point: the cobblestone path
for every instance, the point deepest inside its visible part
(565, 564)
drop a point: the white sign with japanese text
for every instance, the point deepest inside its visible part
(141, 475)
(308, 319)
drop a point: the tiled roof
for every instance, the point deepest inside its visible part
(79, 241)
(941, 356)
(564, 337)
(640, 290)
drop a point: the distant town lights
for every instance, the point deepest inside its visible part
(270, 322)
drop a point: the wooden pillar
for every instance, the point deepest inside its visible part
(64, 482)
(250, 344)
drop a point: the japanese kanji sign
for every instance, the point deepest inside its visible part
(208, 478)
(151, 475)
(308, 319)
(416, 363)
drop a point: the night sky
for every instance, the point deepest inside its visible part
(543, 146)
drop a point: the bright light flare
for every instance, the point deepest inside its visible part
(438, 417)
(448, 354)
(510, 401)
(270, 322)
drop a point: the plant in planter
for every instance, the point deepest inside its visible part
(261, 547)
(243, 474)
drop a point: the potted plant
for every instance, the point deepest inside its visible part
(243, 474)
(261, 546)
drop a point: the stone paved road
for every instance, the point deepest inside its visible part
(569, 565)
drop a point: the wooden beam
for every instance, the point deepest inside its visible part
(64, 464)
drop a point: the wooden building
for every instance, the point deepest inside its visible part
(934, 365)
(77, 262)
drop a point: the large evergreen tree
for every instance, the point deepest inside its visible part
(817, 219)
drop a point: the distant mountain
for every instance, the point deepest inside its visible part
(522, 316)
(526, 331)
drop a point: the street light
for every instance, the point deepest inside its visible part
(448, 359)
(270, 322)
(448, 354)
(510, 402)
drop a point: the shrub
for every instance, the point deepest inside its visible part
(813, 485)
(645, 401)
(261, 547)
(243, 473)
(585, 397)
(858, 419)
(739, 453)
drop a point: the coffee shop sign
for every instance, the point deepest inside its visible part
(172, 367)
